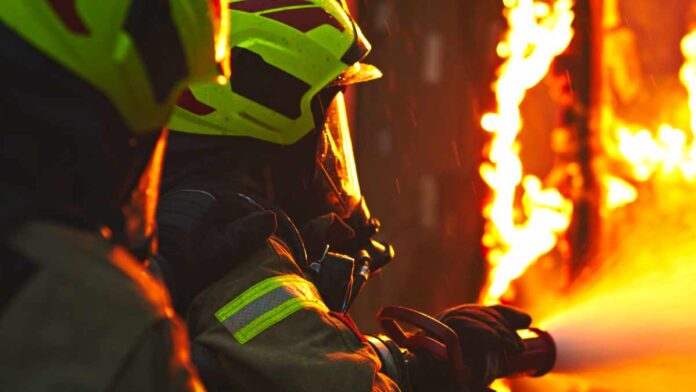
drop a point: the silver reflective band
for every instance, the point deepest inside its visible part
(257, 309)
(267, 303)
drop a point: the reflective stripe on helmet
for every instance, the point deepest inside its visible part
(266, 304)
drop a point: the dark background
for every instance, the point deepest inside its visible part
(419, 145)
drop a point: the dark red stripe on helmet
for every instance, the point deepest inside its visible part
(264, 5)
(305, 19)
(188, 101)
(67, 12)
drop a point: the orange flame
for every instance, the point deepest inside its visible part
(650, 271)
(646, 261)
(640, 251)
(141, 210)
(617, 193)
(222, 41)
(670, 152)
(516, 236)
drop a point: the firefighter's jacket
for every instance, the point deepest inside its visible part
(272, 332)
(85, 316)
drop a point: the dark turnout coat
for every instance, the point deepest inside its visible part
(87, 318)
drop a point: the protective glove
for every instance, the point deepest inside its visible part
(485, 331)
(201, 238)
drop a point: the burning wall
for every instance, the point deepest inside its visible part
(517, 234)
(625, 319)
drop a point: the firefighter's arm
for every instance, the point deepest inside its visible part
(270, 330)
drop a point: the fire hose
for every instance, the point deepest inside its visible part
(429, 334)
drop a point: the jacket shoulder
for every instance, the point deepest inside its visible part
(74, 260)
(80, 316)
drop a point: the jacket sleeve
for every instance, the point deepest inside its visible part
(271, 331)
(160, 361)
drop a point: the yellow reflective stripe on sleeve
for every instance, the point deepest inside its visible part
(253, 293)
(267, 303)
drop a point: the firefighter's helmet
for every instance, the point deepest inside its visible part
(139, 53)
(283, 54)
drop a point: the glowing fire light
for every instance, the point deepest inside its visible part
(670, 152)
(627, 326)
(516, 236)
(618, 193)
(525, 220)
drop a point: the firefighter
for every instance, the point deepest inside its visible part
(86, 88)
(265, 238)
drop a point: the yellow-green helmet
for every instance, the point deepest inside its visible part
(139, 53)
(284, 52)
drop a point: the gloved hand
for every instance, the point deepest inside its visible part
(483, 330)
(201, 238)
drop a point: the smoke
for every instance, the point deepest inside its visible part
(632, 327)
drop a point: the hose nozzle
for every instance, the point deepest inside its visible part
(537, 358)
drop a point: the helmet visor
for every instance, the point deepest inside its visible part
(336, 161)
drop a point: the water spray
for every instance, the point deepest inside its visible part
(628, 325)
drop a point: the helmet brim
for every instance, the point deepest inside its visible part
(357, 73)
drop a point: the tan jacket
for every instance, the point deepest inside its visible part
(271, 332)
(89, 319)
